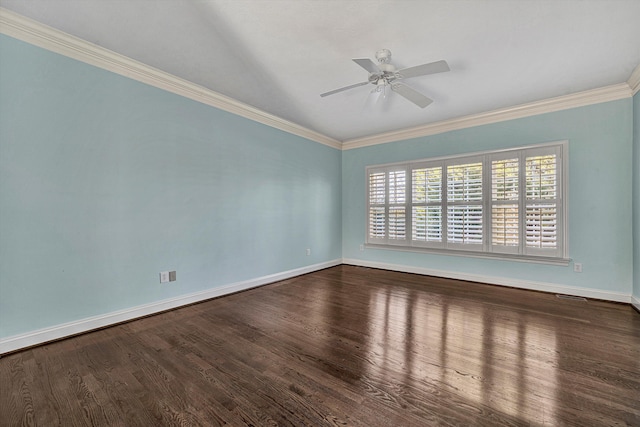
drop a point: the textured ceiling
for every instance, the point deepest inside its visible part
(279, 55)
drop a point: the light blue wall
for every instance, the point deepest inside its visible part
(600, 211)
(105, 182)
(636, 196)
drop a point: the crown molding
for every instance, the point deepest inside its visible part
(634, 80)
(35, 33)
(579, 99)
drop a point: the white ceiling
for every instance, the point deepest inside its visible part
(279, 55)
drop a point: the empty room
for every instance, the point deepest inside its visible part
(319, 213)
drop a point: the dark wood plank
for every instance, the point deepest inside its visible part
(343, 346)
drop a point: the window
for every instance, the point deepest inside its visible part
(508, 204)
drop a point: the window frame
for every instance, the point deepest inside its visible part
(487, 249)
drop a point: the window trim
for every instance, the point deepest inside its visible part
(486, 249)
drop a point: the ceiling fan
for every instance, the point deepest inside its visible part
(384, 74)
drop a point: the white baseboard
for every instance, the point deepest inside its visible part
(40, 336)
(502, 281)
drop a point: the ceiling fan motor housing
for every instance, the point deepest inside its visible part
(383, 56)
(387, 68)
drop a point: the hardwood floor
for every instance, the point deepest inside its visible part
(343, 346)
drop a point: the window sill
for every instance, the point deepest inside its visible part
(473, 254)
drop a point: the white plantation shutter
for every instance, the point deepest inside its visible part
(507, 203)
(505, 212)
(397, 223)
(464, 206)
(464, 182)
(541, 225)
(377, 225)
(543, 218)
(426, 193)
(387, 211)
(464, 224)
(427, 224)
(377, 206)
(397, 210)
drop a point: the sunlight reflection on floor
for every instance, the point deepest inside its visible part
(476, 353)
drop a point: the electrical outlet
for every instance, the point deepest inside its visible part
(308, 251)
(172, 276)
(361, 247)
(577, 267)
(164, 276)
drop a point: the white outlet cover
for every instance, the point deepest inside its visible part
(164, 276)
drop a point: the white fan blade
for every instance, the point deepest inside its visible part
(368, 65)
(423, 70)
(411, 94)
(343, 88)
